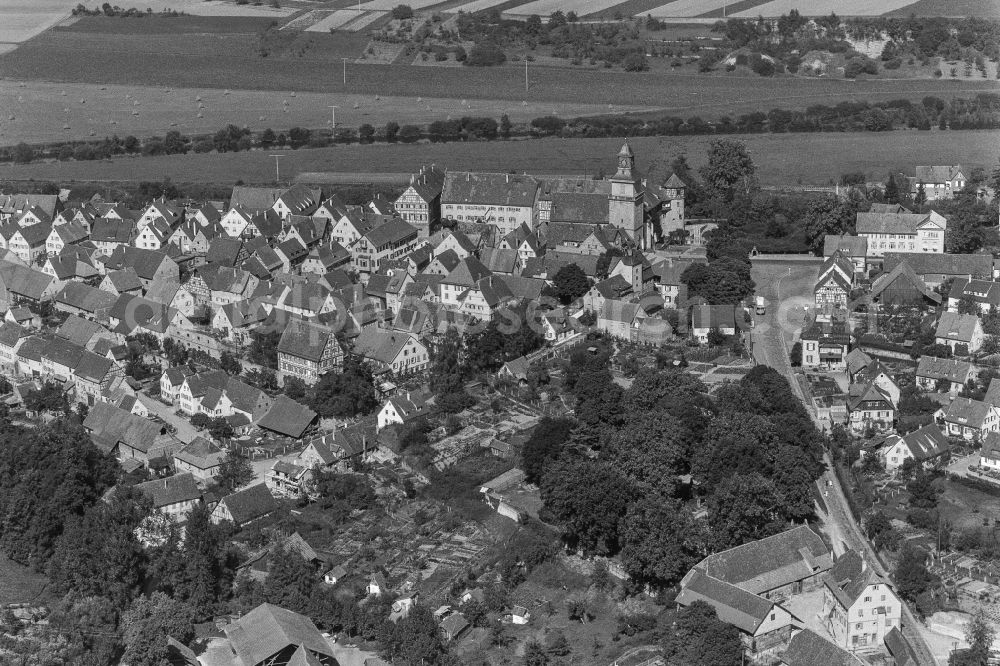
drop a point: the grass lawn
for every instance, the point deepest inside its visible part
(782, 159)
(20, 584)
(966, 507)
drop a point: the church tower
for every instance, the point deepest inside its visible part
(625, 209)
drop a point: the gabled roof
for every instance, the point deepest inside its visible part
(36, 234)
(224, 251)
(937, 174)
(112, 230)
(849, 577)
(927, 442)
(145, 262)
(393, 231)
(742, 609)
(306, 340)
(113, 425)
(125, 280)
(769, 563)
(201, 453)
(428, 182)
(889, 223)
(499, 189)
(856, 361)
(499, 261)
(85, 297)
(849, 246)
(71, 232)
(24, 281)
(11, 333)
(254, 198)
(870, 393)
(953, 370)
(287, 417)
(984, 292)
(713, 316)
(379, 344)
(967, 412)
(931, 263)
(171, 490)
(905, 273)
(810, 649)
(250, 503)
(958, 327)
(300, 199)
(467, 273)
(900, 648)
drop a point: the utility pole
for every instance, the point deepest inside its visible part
(526, 74)
(277, 173)
(345, 70)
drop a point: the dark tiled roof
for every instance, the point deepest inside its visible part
(268, 630)
(810, 649)
(489, 188)
(767, 564)
(930, 263)
(305, 340)
(849, 577)
(250, 503)
(171, 490)
(287, 417)
(734, 606)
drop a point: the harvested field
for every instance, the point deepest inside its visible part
(840, 7)
(687, 8)
(546, 7)
(41, 111)
(334, 21)
(782, 159)
(987, 9)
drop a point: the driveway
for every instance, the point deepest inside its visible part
(185, 431)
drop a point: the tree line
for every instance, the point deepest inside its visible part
(979, 112)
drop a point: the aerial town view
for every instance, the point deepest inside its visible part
(500, 333)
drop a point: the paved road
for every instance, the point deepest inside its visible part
(185, 431)
(787, 288)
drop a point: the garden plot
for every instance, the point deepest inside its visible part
(363, 21)
(690, 8)
(334, 21)
(546, 7)
(839, 7)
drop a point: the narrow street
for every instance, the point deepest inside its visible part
(185, 431)
(787, 288)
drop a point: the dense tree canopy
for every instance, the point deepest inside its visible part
(48, 476)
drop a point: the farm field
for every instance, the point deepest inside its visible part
(231, 61)
(337, 19)
(687, 8)
(988, 9)
(840, 7)
(782, 159)
(546, 7)
(23, 19)
(41, 111)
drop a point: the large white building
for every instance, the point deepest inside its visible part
(902, 232)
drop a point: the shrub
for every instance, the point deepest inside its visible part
(409, 133)
(895, 63)
(763, 67)
(635, 62)
(485, 54)
(402, 12)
